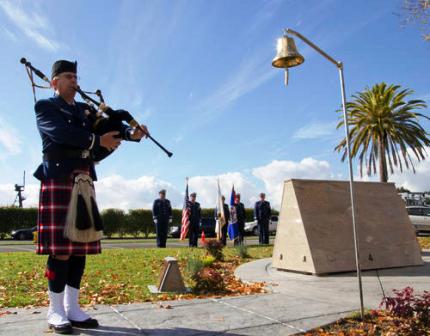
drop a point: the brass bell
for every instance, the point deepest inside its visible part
(287, 55)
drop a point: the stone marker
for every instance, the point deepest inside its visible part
(170, 279)
(315, 234)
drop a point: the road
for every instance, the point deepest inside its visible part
(28, 246)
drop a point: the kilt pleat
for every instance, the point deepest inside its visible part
(54, 200)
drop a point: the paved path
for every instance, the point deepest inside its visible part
(297, 302)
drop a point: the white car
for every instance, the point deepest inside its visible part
(252, 227)
(420, 218)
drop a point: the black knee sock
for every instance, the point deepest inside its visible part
(76, 271)
(56, 272)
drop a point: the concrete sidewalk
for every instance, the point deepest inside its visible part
(296, 303)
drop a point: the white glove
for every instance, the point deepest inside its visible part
(170, 221)
(155, 220)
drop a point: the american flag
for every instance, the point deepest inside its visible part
(185, 223)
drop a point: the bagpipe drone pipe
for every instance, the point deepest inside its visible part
(105, 119)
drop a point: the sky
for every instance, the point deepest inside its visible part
(199, 75)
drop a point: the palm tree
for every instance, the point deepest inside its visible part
(382, 128)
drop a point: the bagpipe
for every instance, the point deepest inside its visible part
(104, 118)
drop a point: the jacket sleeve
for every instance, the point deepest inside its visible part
(227, 214)
(241, 212)
(256, 211)
(154, 210)
(55, 126)
(199, 213)
(170, 211)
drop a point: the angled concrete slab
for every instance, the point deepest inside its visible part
(315, 233)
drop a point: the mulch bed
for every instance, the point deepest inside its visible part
(376, 323)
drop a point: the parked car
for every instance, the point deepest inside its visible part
(420, 218)
(23, 234)
(207, 224)
(252, 227)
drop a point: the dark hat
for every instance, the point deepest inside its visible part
(63, 66)
(193, 194)
(162, 191)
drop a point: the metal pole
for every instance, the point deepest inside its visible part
(351, 187)
(351, 175)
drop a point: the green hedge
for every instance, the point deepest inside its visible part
(12, 218)
(137, 222)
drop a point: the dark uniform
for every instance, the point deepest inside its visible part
(162, 213)
(241, 217)
(262, 213)
(224, 228)
(69, 143)
(195, 217)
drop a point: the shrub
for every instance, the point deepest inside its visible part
(208, 279)
(406, 305)
(214, 248)
(113, 221)
(194, 266)
(208, 261)
(140, 220)
(242, 251)
(13, 218)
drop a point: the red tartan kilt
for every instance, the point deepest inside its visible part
(53, 203)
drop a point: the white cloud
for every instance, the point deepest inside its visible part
(8, 195)
(33, 25)
(420, 181)
(116, 191)
(207, 189)
(315, 130)
(275, 173)
(10, 140)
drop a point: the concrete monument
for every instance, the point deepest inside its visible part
(315, 233)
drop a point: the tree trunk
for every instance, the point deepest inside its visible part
(383, 171)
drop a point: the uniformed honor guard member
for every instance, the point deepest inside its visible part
(69, 143)
(241, 217)
(227, 218)
(162, 214)
(262, 213)
(195, 217)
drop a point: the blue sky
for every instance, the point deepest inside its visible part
(199, 75)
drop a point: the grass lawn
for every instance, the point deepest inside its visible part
(115, 276)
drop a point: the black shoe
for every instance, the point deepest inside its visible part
(64, 329)
(87, 324)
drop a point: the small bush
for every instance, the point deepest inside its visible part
(214, 248)
(194, 266)
(242, 251)
(406, 305)
(208, 261)
(208, 279)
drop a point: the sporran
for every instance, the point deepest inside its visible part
(83, 221)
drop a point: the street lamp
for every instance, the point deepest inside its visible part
(287, 56)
